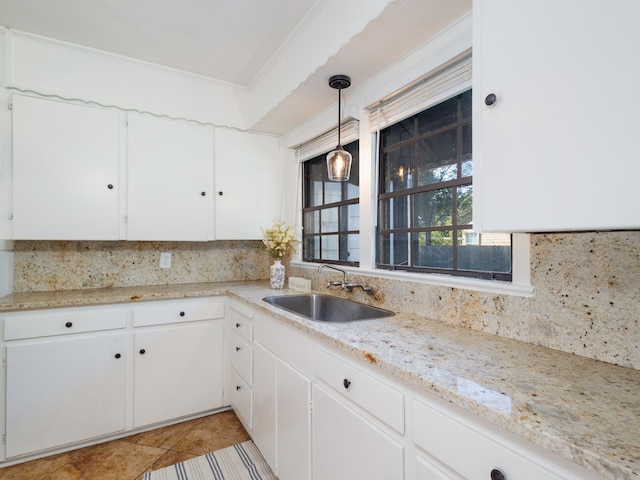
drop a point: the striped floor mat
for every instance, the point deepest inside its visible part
(242, 461)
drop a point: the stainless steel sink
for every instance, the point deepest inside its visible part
(326, 308)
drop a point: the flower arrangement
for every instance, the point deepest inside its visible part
(279, 240)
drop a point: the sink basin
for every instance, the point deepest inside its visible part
(326, 308)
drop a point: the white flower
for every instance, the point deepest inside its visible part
(279, 239)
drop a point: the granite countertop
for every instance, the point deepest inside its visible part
(585, 410)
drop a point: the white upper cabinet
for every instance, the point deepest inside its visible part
(65, 171)
(170, 178)
(247, 178)
(557, 148)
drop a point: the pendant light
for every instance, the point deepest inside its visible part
(339, 160)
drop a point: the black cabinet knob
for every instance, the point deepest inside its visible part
(110, 186)
(497, 474)
(118, 355)
(237, 349)
(182, 314)
(68, 324)
(346, 383)
(237, 387)
(237, 325)
(220, 193)
(490, 99)
(204, 194)
(142, 351)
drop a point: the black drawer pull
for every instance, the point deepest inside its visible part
(346, 383)
(68, 324)
(118, 355)
(182, 314)
(490, 99)
(237, 349)
(237, 387)
(237, 325)
(142, 351)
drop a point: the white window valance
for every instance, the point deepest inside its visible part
(448, 80)
(327, 141)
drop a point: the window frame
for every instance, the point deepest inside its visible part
(340, 233)
(413, 140)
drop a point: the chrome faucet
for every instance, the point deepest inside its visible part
(344, 284)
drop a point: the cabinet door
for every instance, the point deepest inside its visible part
(65, 171)
(347, 445)
(293, 439)
(170, 174)
(557, 150)
(178, 371)
(264, 408)
(247, 179)
(64, 390)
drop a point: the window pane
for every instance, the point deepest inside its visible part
(311, 248)
(433, 249)
(330, 249)
(352, 185)
(438, 116)
(313, 185)
(465, 205)
(329, 220)
(350, 217)
(467, 157)
(332, 192)
(486, 252)
(437, 158)
(465, 100)
(394, 249)
(397, 172)
(312, 221)
(353, 248)
(433, 209)
(394, 213)
(397, 133)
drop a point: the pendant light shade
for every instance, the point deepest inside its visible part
(339, 160)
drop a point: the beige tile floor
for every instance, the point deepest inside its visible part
(130, 457)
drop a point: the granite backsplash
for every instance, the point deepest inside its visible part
(586, 302)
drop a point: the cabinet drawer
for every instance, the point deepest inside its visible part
(241, 318)
(446, 436)
(379, 399)
(160, 313)
(45, 323)
(242, 358)
(241, 399)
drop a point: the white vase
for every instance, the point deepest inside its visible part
(276, 275)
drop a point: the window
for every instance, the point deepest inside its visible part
(331, 213)
(425, 197)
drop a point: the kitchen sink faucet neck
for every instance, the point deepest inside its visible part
(344, 284)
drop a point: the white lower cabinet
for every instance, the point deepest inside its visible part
(282, 398)
(347, 445)
(454, 441)
(79, 374)
(64, 390)
(178, 371)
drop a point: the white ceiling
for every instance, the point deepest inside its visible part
(230, 40)
(234, 40)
